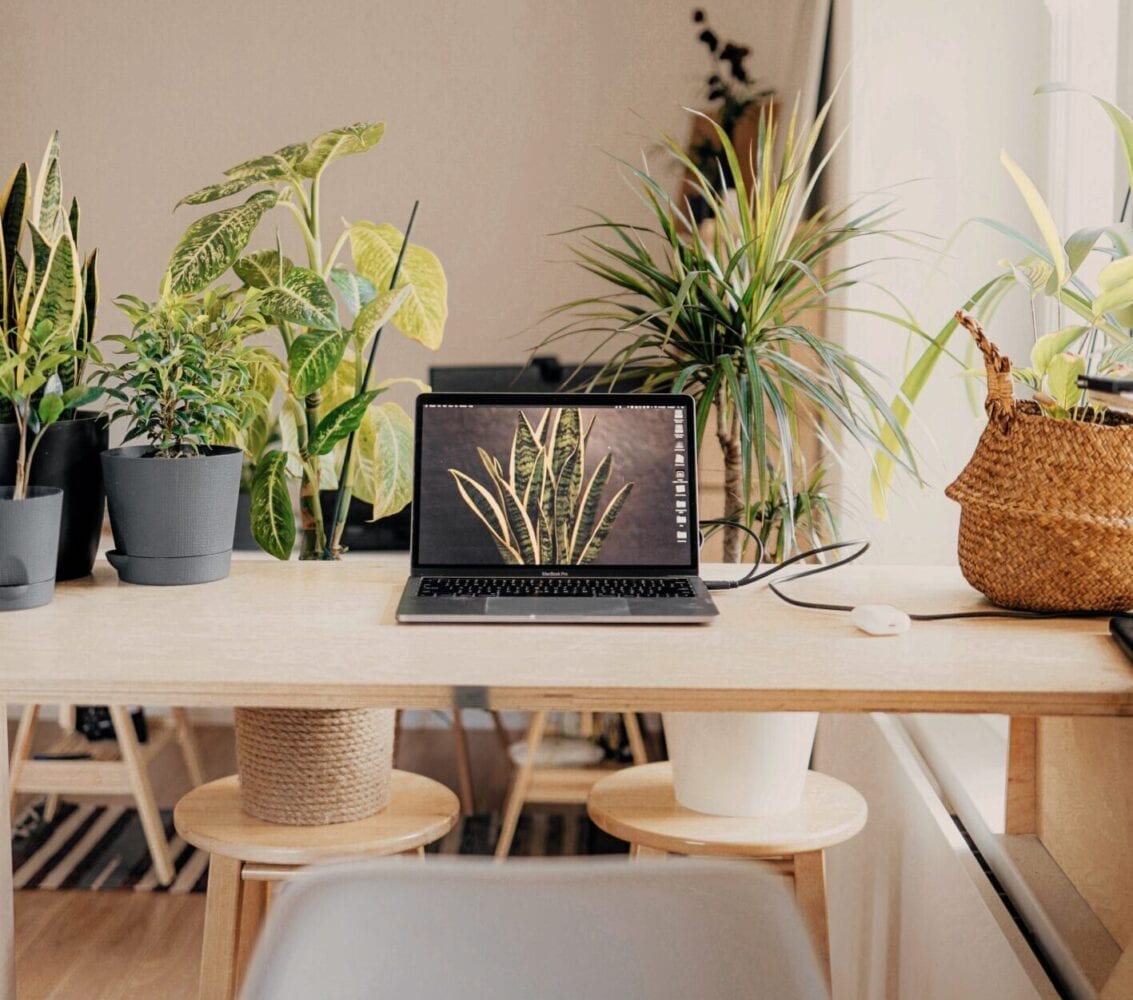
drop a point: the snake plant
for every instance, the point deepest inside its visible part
(539, 512)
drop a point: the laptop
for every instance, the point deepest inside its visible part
(555, 507)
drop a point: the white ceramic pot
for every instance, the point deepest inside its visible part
(740, 763)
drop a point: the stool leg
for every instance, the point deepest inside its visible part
(810, 893)
(187, 740)
(143, 794)
(638, 851)
(222, 929)
(463, 764)
(501, 731)
(253, 909)
(21, 750)
(636, 740)
(520, 783)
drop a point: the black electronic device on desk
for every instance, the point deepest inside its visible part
(1116, 393)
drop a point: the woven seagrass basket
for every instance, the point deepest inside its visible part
(1046, 506)
(311, 767)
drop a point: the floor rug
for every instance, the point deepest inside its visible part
(103, 847)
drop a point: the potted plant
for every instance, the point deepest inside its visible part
(1047, 499)
(333, 431)
(185, 382)
(67, 454)
(717, 311)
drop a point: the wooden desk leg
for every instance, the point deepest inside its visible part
(190, 752)
(21, 751)
(1022, 771)
(810, 892)
(7, 917)
(223, 905)
(520, 784)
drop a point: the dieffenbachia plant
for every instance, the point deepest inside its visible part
(538, 511)
(327, 315)
(48, 298)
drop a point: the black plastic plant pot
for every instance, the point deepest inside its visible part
(29, 546)
(172, 518)
(67, 458)
(387, 534)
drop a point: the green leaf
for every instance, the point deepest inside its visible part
(50, 408)
(303, 299)
(375, 315)
(59, 299)
(1116, 298)
(14, 205)
(48, 198)
(211, 245)
(485, 507)
(1043, 219)
(340, 142)
(312, 359)
(281, 163)
(422, 316)
(214, 192)
(80, 395)
(385, 459)
(273, 523)
(588, 510)
(1079, 245)
(262, 269)
(356, 290)
(1062, 379)
(40, 251)
(525, 455)
(291, 416)
(594, 543)
(1046, 347)
(340, 422)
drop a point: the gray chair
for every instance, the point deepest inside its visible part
(556, 930)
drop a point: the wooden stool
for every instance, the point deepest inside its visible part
(246, 855)
(638, 805)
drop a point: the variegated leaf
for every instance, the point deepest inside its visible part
(274, 165)
(262, 269)
(14, 205)
(40, 251)
(73, 220)
(341, 422)
(211, 245)
(594, 543)
(566, 441)
(588, 509)
(291, 415)
(48, 198)
(483, 505)
(375, 315)
(340, 142)
(273, 522)
(303, 299)
(524, 454)
(422, 316)
(214, 192)
(533, 494)
(58, 300)
(312, 359)
(356, 290)
(564, 508)
(523, 533)
(385, 453)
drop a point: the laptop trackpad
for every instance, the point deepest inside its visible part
(557, 606)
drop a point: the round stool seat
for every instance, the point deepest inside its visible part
(637, 804)
(420, 811)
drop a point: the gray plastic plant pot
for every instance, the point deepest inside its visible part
(29, 546)
(172, 518)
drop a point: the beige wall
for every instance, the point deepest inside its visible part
(500, 115)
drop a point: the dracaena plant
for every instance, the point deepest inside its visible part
(724, 312)
(542, 508)
(186, 380)
(1092, 326)
(328, 317)
(48, 298)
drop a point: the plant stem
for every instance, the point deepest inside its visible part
(20, 490)
(727, 433)
(310, 510)
(342, 496)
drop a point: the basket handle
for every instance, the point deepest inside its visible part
(1000, 402)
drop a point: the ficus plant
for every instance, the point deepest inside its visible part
(328, 316)
(1093, 327)
(186, 380)
(542, 509)
(724, 311)
(48, 299)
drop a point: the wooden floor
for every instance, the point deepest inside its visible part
(142, 945)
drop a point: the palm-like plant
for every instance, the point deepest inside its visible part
(718, 312)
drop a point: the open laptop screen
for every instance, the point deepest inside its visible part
(574, 482)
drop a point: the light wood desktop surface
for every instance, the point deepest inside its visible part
(324, 635)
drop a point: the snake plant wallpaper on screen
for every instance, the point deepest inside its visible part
(559, 486)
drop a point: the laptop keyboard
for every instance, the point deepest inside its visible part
(606, 586)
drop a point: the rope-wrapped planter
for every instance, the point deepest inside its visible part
(1046, 506)
(310, 767)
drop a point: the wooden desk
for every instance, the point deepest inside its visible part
(311, 635)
